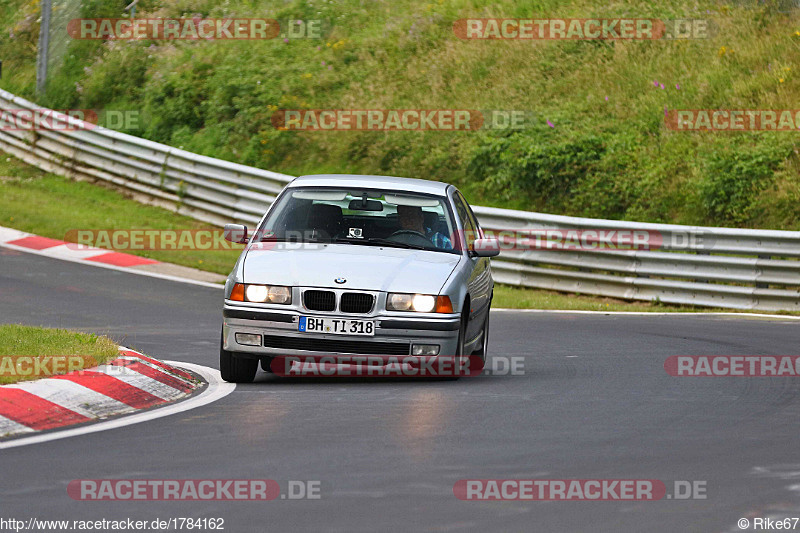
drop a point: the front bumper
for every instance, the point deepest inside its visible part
(394, 334)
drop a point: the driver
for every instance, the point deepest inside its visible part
(411, 219)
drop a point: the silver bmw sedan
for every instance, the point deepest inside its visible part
(349, 264)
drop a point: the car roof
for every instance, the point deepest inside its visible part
(377, 182)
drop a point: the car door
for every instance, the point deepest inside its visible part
(479, 282)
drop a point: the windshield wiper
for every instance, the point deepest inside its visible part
(387, 242)
(375, 241)
(312, 240)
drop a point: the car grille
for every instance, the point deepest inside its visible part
(356, 302)
(319, 300)
(337, 346)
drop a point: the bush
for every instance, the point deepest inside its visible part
(609, 154)
(736, 176)
(539, 167)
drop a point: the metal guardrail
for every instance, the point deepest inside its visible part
(202, 187)
(693, 265)
(717, 267)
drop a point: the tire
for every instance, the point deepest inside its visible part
(266, 364)
(485, 344)
(236, 369)
(462, 338)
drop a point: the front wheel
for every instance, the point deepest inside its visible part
(236, 369)
(485, 341)
(460, 349)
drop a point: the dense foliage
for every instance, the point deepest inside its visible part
(596, 146)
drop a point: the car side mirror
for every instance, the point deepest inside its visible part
(486, 247)
(236, 233)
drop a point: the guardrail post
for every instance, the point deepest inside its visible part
(703, 252)
(763, 285)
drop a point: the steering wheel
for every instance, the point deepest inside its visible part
(411, 236)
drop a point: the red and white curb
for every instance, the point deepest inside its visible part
(132, 382)
(28, 242)
(62, 249)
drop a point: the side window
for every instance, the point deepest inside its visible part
(473, 218)
(467, 221)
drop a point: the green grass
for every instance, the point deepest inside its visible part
(603, 158)
(58, 351)
(521, 298)
(49, 205)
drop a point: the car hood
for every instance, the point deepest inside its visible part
(363, 267)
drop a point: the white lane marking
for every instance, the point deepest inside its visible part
(644, 313)
(140, 381)
(75, 397)
(216, 390)
(8, 427)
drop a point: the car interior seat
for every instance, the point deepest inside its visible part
(326, 220)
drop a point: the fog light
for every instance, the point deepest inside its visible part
(424, 349)
(248, 339)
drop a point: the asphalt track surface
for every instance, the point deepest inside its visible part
(594, 402)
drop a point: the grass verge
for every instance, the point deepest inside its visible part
(48, 205)
(28, 353)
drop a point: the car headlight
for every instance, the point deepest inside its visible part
(420, 303)
(274, 294)
(256, 293)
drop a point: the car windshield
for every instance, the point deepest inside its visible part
(361, 217)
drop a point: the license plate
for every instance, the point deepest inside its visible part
(340, 326)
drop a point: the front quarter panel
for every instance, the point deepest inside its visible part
(456, 285)
(236, 275)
